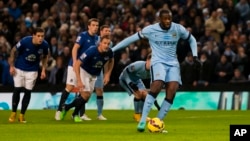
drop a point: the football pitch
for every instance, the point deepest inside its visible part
(182, 125)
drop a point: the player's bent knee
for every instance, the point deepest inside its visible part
(154, 94)
(99, 91)
(69, 88)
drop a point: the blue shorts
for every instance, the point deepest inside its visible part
(166, 73)
(128, 89)
(99, 81)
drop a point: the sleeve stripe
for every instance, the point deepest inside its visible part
(140, 35)
(189, 35)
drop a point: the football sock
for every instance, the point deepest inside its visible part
(137, 105)
(149, 101)
(157, 105)
(70, 105)
(165, 106)
(15, 98)
(78, 104)
(141, 103)
(82, 110)
(64, 97)
(99, 102)
(25, 101)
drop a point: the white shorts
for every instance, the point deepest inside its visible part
(26, 79)
(71, 76)
(88, 80)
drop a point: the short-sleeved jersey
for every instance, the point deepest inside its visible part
(28, 56)
(135, 71)
(164, 42)
(85, 41)
(93, 61)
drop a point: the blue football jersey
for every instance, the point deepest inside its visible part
(28, 57)
(164, 42)
(93, 61)
(135, 71)
(85, 41)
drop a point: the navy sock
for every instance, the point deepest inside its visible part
(64, 97)
(15, 98)
(25, 101)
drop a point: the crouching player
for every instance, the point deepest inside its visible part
(24, 66)
(88, 67)
(131, 80)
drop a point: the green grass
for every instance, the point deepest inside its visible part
(181, 125)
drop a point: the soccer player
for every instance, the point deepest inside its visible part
(131, 80)
(165, 69)
(104, 30)
(83, 42)
(24, 64)
(87, 68)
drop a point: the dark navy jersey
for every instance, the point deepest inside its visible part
(28, 56)
(85, 41)
(93, 61)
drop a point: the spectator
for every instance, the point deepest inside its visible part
(206, 71)
(216, 26)
(57, 74)
(238, 77)
(223, 70)
(243, 7)
(50, 29)
(123, 62)
(188, 70)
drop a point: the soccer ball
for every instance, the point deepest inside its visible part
(155, 125)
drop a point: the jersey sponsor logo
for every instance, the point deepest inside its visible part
(27, 49)
(166, 43)
(31, 58)
(88, 41)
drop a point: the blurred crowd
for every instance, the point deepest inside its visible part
(221, 28)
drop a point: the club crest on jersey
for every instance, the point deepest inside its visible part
(174, 34)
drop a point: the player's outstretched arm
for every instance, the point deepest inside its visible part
(124, 43)
(193, 45)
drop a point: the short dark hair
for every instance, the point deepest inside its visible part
(104, 26)
(165, 11)
(92, 20)
(105, 37)
(37, 29)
